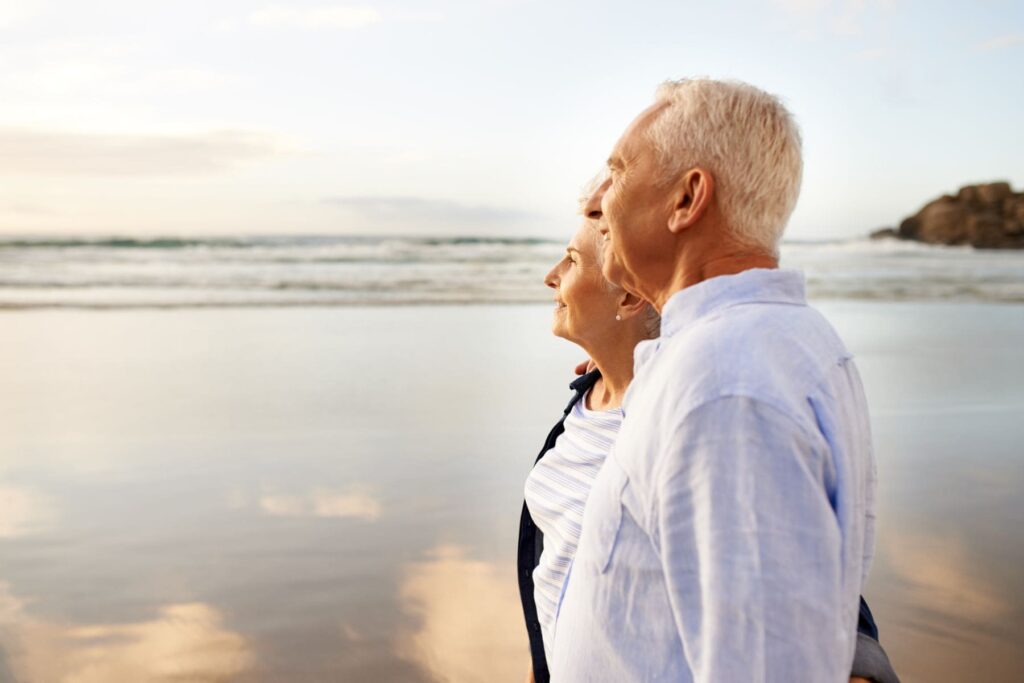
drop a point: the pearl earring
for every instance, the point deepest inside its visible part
(618, 317)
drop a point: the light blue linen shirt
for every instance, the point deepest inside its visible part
(728, 535)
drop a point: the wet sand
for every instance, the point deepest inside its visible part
(332, 494)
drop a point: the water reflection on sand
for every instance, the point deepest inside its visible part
(183, 642)
(466, 621)
(332, 494)
(318, 502)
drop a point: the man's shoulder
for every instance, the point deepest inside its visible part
(758, 335)
(774, 353)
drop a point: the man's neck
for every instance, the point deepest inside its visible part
(731, 263)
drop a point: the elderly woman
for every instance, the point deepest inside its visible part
(607, 322)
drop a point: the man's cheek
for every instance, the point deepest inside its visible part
(606, 249)
(611, 269)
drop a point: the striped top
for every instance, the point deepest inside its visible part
(556, 492)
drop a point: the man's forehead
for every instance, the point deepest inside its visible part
(633, 139)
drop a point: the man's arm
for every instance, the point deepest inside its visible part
(870, 663)
(750, 547)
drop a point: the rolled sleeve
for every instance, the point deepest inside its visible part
(751, 547)
(871, 662)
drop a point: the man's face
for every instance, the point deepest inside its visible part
(635, 211)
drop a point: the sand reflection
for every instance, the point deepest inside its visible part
(24, 512)
(352, 503)
(945, 615)
(468, 621)
(938, 572)
(185, 642)
(320, 503)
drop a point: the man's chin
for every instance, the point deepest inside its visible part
(612, 271)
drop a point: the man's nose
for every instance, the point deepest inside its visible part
(592, 209)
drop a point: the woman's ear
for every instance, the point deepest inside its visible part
(630, 305)
(691, 198)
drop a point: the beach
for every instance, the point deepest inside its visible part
(276, 350)
(332, 492)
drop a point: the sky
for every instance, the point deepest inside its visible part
(484, 117)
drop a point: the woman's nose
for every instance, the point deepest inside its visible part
(551, 279)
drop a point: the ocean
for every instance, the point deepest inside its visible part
(302, 459)
(116, 272)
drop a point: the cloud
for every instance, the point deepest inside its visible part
(1003, 42)
(404, 214)
(99, 68)
(24, 512)
(321, 503)
(186, 641)
(25, 209)
(802, 7)
(43, 152)
(872, 54)
(468, 620)
(92, 78)
(845, 18)
(338, 17)
(14, 12)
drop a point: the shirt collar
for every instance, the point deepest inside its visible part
(761, 285)
(758, 285)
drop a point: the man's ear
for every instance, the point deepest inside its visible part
(630, 305)
(691, 198)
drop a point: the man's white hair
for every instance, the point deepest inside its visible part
(748, 141)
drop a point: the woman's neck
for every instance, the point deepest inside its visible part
(616, 366)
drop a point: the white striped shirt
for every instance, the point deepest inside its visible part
(556, 493)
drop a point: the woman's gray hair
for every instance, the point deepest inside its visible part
(589, 188)
(652, 320)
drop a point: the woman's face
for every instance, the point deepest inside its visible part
(585, 305)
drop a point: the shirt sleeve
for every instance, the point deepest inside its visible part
(871, 662)
(750, 546)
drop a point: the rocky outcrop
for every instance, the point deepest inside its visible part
(984, 216)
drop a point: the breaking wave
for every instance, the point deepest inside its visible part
(175, 272)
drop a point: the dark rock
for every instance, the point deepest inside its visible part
(994, 193)
(989, 216)
(985, 231)
(1013, 208)
(990, 193)
(909, 228)
(943, 221)
(885, 233)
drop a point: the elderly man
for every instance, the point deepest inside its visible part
(729, 534)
